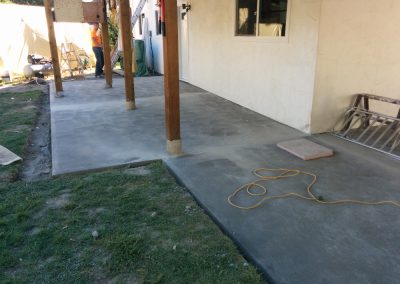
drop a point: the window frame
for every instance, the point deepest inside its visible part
(256, 37)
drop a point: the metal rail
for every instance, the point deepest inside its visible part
(371, 129)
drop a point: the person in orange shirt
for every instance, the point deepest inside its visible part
(98, 51)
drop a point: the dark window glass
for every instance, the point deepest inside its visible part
(246, 17)
(261, 17)
(273, 12)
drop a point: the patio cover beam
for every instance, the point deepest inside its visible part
(171, 76)
(48, 4)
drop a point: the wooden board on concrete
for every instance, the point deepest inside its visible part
(7, 157)
(305, 149)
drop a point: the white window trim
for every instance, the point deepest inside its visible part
(262, 39)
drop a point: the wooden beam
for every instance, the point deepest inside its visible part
(126, 33)
(106, 50)
(48, 4)
(171, 77)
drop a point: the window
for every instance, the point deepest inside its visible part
(158, 23)
(261, 17)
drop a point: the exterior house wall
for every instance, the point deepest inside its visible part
(25, 32)
(149, 10)
(272, 76)
(333, 49)
(358, 52)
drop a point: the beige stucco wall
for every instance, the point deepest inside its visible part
(24, 31)
(359, 51)
(272, 76)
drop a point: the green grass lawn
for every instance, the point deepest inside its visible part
(118, 226)
(149, 231)
(17, 117)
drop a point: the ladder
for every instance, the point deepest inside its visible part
(115, 53)
(70, 59)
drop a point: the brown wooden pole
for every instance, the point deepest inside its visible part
(106, 49)
(171, 78)
(126, 33)
(48, 4)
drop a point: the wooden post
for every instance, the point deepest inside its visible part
(171, 78)
(126, 33)
(106, 49)
(48, 4)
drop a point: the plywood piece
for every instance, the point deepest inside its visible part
(7, 157)
(76, 11)
(93, 12)
(305, 149)
(68, 11)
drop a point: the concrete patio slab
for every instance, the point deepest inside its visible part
(291, 240)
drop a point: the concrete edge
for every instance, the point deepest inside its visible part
(53, 146)
(119, 166)
(180, 182)
(241, 249)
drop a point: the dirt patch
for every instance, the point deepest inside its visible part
(36, 164)
(140, 171)
(125, 278)
(29, 107)
(19, 128)
(95, 211)
(37, 158)
(32, 86)
(59, 201)
(34, 231)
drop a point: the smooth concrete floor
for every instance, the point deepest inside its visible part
(291, 240)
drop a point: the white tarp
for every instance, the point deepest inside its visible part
(7, 157)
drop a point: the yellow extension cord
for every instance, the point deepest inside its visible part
(287, 173)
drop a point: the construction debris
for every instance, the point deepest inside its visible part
(7, 157)
(305, 149)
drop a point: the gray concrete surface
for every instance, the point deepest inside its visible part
(291, 240)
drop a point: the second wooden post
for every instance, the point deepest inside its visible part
(171, 77)
(126, 33)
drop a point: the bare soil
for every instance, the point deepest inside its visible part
(37, 158)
